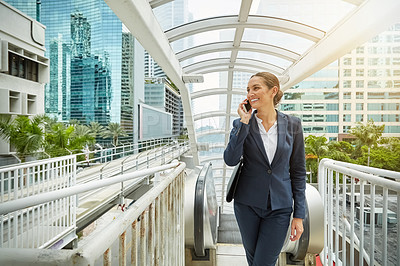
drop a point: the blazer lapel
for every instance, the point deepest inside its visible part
(282, 127)
(255, 133)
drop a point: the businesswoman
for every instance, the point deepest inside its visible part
(272, 180)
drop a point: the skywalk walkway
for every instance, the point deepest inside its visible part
(94, 203)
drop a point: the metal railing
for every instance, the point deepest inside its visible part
(37, 226)
(150, 232)
(103, 155)
(42, 225)
(361, 214)
(139, 160)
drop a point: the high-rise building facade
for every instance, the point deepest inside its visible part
(85, 38)
(91, 61)
(363, 85)
(160, 94)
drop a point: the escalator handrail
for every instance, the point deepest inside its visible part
(199, 199)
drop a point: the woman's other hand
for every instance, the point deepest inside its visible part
(244, 115)
(296, 229)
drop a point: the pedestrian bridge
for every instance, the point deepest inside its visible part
(152, 207)
(162, 203)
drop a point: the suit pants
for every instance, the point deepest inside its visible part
(263, 232)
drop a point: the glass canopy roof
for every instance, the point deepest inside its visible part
(227, 41)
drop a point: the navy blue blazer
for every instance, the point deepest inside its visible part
(283, 179)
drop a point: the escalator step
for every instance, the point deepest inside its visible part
(228, 230)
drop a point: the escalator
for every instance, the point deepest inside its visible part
(202, 220)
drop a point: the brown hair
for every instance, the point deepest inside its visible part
(271, 80)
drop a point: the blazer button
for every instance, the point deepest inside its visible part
(269, 171)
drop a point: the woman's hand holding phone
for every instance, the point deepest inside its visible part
(244, 111)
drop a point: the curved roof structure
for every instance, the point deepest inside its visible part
(236, 37)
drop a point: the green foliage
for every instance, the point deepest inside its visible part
(340, 151)
(96, 129)
(367, 134)
(317, 146)
(25, 134)
(114, 131)
(384, 153)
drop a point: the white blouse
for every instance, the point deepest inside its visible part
(270, 138)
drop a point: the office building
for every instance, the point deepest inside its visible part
(363, 85)
(24, 69)
(160, 94)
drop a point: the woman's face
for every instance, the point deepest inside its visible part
(258, 94)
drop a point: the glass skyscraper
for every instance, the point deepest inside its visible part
(85, 41)
(169, 15)
(90, 74)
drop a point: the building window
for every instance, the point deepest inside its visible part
(374, 84)
(346, 129)
(376, 95)
(359, 118)
(347, 118)
(359, 95)
(347, 61)
(332, 118)
(347, 73)
(375, 118)
(392, 129)
(359, 84)
(332, 129)
(22, 67)
(347, 84)
(332, 106)
(372, 73)
(359, 106)
(360, 61)
(360, 50)
(359, 72)
(373, 61)
(347, 107)
(346, 95)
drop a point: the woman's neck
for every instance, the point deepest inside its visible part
(267, 115)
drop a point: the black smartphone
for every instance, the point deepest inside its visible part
(247, 106)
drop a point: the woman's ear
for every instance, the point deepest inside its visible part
(274, 90)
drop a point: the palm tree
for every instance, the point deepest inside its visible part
(317, 146)
(95, 129)
(24, 134)
(367, 134)
(114, 131)
(59, 135)
(81, 137)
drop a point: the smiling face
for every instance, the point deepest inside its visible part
(259, 95)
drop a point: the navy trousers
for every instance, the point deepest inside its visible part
(263, 232)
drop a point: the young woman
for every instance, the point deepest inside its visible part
(272, 181)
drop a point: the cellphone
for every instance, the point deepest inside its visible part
(247, 106)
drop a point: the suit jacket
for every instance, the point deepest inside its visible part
(283, 179)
